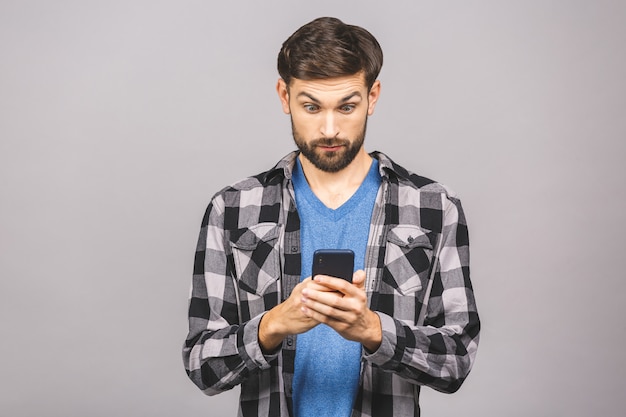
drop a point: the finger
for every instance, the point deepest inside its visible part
(308, 283)
(316, 286)
(324, 313)
(322, 299)
(358, 279)
(336, 284)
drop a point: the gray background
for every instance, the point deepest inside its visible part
(120, 119)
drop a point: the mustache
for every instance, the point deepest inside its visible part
(330, 142)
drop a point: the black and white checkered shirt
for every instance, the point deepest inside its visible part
(417, 264)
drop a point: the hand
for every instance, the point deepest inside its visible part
(287, 317)
(343, 306)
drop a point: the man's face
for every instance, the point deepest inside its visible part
(329, 117)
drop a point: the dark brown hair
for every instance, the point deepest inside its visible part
(327, 47)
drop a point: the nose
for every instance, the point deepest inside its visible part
(329, 128)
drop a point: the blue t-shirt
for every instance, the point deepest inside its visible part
(327, 367)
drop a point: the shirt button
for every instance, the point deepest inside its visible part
(294, 249)
(289, 342)
(410, 239)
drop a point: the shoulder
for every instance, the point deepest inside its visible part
(409, 180)
(249, 196)
(418, 200)
(273, 176)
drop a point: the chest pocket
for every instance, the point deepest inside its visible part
(256, 256)
(407, 259)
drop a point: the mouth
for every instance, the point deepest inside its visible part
(331, 148)
(330, 145)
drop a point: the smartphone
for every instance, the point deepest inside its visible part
(334, 262)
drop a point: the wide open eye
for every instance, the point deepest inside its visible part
(347, 108)
(311, 108)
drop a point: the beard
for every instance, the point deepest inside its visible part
(328, 161)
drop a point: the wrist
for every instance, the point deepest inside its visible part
(374, 336)
(269, 336)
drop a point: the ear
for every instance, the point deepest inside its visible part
(372, 97)
(283, 95)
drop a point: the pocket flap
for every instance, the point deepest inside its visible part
(409, 236)
(249, 238)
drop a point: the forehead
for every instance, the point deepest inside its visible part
(328, 88)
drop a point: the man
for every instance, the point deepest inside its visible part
(324, 346)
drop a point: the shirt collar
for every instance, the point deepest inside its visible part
(387, 167)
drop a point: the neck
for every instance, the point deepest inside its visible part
(335, 188)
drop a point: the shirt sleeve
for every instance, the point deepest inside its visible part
(219, 351)
(440, 353)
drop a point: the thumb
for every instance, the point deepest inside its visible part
(358, 278)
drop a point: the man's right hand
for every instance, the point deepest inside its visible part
(287, 318)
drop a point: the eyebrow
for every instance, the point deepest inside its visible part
(343, 100)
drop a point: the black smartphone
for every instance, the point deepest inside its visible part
(334, 262)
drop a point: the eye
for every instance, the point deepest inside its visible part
(311, 108)
(347, 108)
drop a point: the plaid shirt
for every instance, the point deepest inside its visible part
(417, 264)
